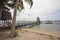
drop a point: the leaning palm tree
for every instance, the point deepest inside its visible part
(17, 5)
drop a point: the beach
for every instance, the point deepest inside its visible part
(30, 34)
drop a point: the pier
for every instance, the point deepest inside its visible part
(25, 25)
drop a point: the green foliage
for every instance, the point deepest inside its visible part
(11, 4)
(3, 4)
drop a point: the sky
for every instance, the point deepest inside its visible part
(44, 9)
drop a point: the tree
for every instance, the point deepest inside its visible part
(2, 5)
(17, 5)
(38, 20)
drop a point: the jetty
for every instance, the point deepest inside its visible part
(24, 25)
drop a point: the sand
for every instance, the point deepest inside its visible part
(30, 34)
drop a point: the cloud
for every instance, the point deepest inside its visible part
(41, 8)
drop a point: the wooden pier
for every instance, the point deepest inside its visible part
(25, 25)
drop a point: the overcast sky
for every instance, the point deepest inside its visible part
(45, 9)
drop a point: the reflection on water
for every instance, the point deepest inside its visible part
(48, 27)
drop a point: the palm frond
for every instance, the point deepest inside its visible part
(12, 5)
(3, 2)
(20, 5)
(29, 2)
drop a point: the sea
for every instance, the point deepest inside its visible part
(48, 27)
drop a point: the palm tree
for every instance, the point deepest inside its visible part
(38, 20)
(2, 5)
(17, 5)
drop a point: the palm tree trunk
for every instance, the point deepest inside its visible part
(4, 22)
(0, 11)
(13, 34)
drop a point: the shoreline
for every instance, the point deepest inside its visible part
(30, 34)
(55, 34)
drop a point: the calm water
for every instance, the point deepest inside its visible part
(48, 27)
